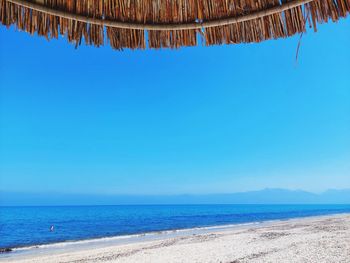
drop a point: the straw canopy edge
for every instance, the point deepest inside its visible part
(137, 24)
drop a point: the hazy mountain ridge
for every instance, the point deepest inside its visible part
(265, 196)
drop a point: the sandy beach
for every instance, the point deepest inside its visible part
(313, 239)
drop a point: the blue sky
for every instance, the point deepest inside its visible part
(196, 120)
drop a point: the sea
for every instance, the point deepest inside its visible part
(28, 227)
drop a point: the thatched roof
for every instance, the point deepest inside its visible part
(169, 23)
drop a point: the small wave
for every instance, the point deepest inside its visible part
(131, 237)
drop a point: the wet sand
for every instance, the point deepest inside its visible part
(313, 239)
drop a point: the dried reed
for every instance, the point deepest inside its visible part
(168, 23)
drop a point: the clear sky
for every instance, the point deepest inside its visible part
(196, 120)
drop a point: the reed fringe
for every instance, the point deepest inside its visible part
(280, 25)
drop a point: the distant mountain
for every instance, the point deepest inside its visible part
(265, 196)
(340, 196)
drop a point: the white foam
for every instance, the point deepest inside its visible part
(125, 239)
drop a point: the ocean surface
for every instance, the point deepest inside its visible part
(30, 226)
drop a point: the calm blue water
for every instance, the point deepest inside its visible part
(24, 226)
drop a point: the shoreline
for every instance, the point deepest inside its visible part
(118, 239)
(133, 238)
(57, 250)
